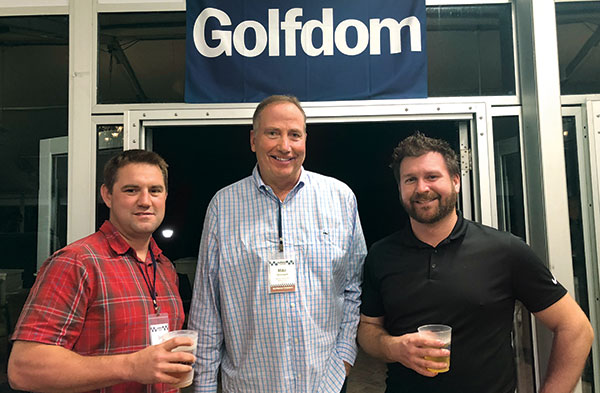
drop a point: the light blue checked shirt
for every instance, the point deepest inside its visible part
(285, 342)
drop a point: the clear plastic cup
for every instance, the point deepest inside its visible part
(193, 334)
(441, 333)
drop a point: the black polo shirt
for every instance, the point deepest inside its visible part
(470, 281)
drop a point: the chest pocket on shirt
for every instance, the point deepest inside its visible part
(321, 252)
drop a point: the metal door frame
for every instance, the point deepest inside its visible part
(479, 140)
(587, 124)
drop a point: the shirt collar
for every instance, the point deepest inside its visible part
(260, 184)
(459, 230)
(120, 245)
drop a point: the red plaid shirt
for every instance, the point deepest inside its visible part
(90, 297)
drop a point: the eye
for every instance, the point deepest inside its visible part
(271, 133)
(129, 190)
(409, 180)
(156, 190)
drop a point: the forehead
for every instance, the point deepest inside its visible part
(134, 173)
(281, 111)
(428, 162)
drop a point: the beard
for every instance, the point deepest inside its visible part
(433, 213)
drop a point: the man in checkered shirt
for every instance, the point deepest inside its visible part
(277, 290)
(98, 302)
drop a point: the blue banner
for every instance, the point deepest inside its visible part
(245, 50)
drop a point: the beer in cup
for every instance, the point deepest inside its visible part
(441, 333)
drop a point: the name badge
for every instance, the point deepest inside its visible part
(282, 274)
(158, 325)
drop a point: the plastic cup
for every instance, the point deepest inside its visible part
(441, 333)
(193, 334)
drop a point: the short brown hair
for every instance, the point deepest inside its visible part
(135, 156)
(271, 100)
(418, 144)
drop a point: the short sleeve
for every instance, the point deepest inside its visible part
(533, 284)
(372, 304)
(54, 312)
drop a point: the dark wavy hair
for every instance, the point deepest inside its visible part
(418, 144)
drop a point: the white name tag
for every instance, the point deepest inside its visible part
(282, 274)
(158, 325)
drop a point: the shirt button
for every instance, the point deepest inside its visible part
(433, 265)
(296, 341)
(292, 305)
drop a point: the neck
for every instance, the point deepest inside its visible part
(141, 249)
(282, 189)
(434, 233)
(139, 245)
(281, 192)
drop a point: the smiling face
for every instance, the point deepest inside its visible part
(137, 201)
(428, 192)
(280, 145)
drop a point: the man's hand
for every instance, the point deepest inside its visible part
(37, 367)
(411, 350)
(156, 363)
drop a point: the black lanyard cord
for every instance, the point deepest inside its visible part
(151, 288)
(280, 230)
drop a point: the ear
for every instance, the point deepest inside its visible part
(252, 140)
(456, 183)
(106, 195)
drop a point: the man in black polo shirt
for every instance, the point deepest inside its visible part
(445, 269)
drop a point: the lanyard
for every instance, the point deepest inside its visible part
(280, 230)
(151, 288)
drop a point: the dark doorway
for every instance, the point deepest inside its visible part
(204, 159)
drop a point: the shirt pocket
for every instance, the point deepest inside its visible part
(320, 253)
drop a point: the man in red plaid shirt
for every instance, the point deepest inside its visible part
(99, 303)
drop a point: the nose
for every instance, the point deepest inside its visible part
(422, 186)
(284, 144)
(144, 198)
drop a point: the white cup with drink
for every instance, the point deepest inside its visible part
(192, 334)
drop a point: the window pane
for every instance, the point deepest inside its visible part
(34, 70)
(578, 29)
(509, 181)
(109, 144)
(470, 50)
(141, 57)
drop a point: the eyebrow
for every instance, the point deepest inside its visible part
(138, 186)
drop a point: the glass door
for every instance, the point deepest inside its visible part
(581, 225)
(510, 197)
(52, 208)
